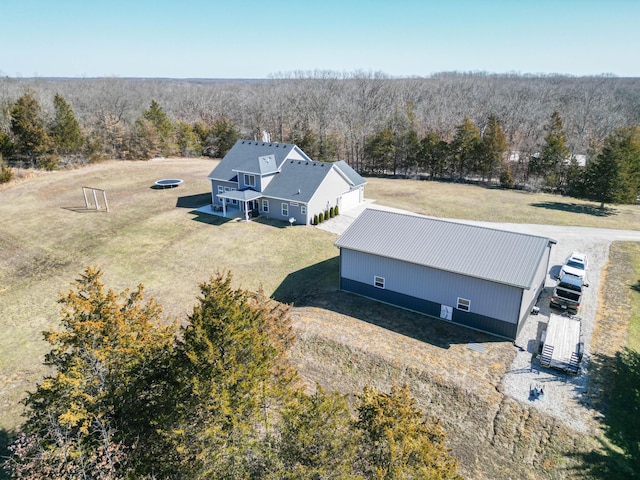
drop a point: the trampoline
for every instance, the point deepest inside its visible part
(168, 182)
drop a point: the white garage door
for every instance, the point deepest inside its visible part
(349, 200)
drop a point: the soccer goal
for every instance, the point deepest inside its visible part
(93, 197)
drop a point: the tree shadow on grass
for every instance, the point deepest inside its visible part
(614, 387)
(302, 286)
(636, 287)
(6, 438)
(317, 286)
(581, 208)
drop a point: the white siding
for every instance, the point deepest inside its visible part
(328, 192)
(349, 200)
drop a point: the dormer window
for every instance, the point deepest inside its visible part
(249, 180)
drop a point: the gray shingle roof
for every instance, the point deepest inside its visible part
(350, 173)
(497, 255)
(298, 180)
(245, 156)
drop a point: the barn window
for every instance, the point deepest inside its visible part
(378, 282)
(464, 304)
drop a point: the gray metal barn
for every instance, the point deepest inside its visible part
(482, 278)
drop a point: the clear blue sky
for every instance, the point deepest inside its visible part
(253, 39)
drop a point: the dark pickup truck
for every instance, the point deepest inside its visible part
(567, 294)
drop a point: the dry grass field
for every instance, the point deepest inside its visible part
(149, 236)
(155, 237)
(496, 205)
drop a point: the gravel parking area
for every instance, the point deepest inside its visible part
(565, 397)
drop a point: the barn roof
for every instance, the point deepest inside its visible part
(496, 255)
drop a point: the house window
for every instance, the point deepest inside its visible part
(303, 209)
(378, 282)
(234, 201)
(220, 189)
(285, 209)
(265, 206)
(250, 180)
(464, 304)
(227, 189)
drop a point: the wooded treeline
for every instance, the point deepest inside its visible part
(378, 124)
(129, 397)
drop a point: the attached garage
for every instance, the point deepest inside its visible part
(352, 199)
(481, 278)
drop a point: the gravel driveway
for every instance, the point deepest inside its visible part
(564, 394)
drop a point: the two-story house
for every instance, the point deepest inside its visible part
(278, 180)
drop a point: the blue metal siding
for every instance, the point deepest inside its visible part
(487, 299)
(467, 319)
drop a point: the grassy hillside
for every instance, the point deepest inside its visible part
(155, 237)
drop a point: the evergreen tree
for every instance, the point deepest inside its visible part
(306, 139)
(553, 160)
(380, 150)
(614, 175)
(222, 135)
(316, 438)
(398, 440)
(433, 155)
(143, 141)
(27, 126)
(162, 126)
(465, 150)
(86, 419)
(232, 372)
(187, 140)
(65, 132)
(6, 172)
(494, 148)
(408, 150)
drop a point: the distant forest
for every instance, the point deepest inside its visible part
(454, 126)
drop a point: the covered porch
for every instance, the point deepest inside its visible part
(247, 200)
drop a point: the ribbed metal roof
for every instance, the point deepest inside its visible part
(497, 255)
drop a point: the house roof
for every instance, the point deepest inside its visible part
(255, 157)
(298, 177)
(298, 181)
(354, 177)
(242, 195)
(496, 255)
